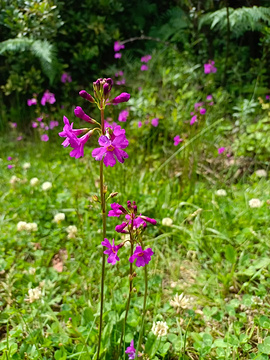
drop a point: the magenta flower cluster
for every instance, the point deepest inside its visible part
(131, 351)
(117, 47)
(112, 140)
(133, 223)
(145, 59)
(209, 67)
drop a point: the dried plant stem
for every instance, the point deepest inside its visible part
(144, 311)
(103, 210)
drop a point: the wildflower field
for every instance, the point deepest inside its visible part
(135, 191)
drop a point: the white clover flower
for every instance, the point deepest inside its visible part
(160, 328)
(34, 181)
(181, 301)
(261, 173)
(33, 294)
(221, 192)
(31, 271)
(59, 217)
(26, 166)
(14, 179)
(72, 231)
(255, 203)
(32, 227)
(46, 186)
(22, 225)
(167, 222)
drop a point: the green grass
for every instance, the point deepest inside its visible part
(216, 252)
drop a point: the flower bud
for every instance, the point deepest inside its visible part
(105, 189)
(134, 290)
(123, 97)
(95, 198)
(79, 113)
(87, 96)
(113, 194)
(151, 221)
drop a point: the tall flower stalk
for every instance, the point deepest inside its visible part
(112, 141)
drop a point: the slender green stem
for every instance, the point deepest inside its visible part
(144, 311)
(103, 210)
(129, 294)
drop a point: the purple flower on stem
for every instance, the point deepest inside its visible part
(267, 97)
(209, 97)
(177, 140)
(79, 113)
(121, 82)
(123, 115)
(202, 111)
(9, 158)
(197, 105)
(19, 138)
(123, 97)
(118, 46)
(66, 78)
(111, 149)
(87, 96)
(44, 137)
(10, 166)
(47, 97)
(117, 210)
(131, 351)
(13, 125)
(117, 55)
(193, 119)
(221, 150)
(34, 124)
(144, 67)
(154, 122)
(53, 124)
(112, 251)
(39, 118)
(143, 256)
(139, 124)
(210, 68)
(31, 102)
(146, 58)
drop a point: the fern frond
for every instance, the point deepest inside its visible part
(241, 20)
(41, 49)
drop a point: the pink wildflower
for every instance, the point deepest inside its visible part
(221, 150)
(19, 138)
(146, 58)
(112, 251)
(118, 46)
(13, 125)
(66, 78)
(123, 115)
(10, 166)
(131, 351)
(139, 124)
(123, 97)
(267, 97)
(39, 118)
(210, 68)
(111, 149)
(202, 111)
(79, 113)
(144, 67)
(31, 102)
(193, 119)
(47, 97)
(53, 124)
(177, 140)
(34, 124)
(154, 122)
(143, 256)
(117, 55)
(44, 137)
(209, 97)
(9, 158)
(121, 82)
(198, 105)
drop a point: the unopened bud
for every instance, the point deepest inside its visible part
(130, 277)
(113, 194)
(105, 189)
(87, 96)
(134, 290)
(95, 198)
(134, 274)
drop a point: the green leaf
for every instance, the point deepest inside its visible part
(230, 254)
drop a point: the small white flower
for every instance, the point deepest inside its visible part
(255, 203)
(167, 222)
(160, 328)
(14, 179)
(261, 173)
(22, 225)
(221, 192)
(33, 294)
(181, 301)
(34, 181)
(59, 217)
(32, 271)
(72, 231)
(46, 186)
(32, 227)
(26, 166)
